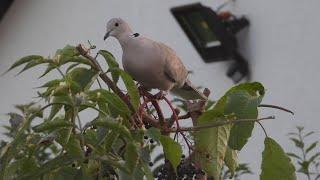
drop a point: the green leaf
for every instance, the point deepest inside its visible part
(211, 143)
(275, 163)
(83, 174)
(297, 142)
(308, 134)
(25, 60)
(73, 147)
(312, 158)
(33, 63)
(48, 167)
(294, 155)
(312, 146)
(131, 157)
(112, 63)
(52, 125)
(116, 105)
(131, 87)
(113, 125)
(241, 101)
(52, 83)
(56, 107)
(172, 150)
(50, 67)
(154, 133)
(83, 77)
(231, 160)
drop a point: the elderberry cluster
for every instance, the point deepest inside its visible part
(188, 171)
(185, 171)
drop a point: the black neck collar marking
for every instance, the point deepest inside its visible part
(136, 34)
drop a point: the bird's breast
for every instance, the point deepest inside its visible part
(146, 67)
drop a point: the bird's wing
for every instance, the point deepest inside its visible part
(174, 69)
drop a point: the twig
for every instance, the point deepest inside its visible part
(99, 83)
(264, 130)
(276, 107)
(219, 123)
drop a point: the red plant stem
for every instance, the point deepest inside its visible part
(175, 117)
(159, 111)
(147, 118)
(186, 116)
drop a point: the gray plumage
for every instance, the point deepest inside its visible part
(151, 63)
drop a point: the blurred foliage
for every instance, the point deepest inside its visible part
(308, 158)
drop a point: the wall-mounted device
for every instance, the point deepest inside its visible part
(4, 6)
(213, 35)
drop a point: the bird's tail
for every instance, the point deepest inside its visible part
(189, 92)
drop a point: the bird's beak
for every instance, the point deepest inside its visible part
(106, 35)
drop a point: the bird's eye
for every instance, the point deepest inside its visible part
(116, 24)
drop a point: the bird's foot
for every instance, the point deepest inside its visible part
(160, 95)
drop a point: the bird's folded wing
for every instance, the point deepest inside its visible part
(174, 68)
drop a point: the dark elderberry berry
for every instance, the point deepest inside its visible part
(151, 141)
(150, 164)
(145, 137)
(183, 156)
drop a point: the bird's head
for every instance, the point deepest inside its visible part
(116, 27)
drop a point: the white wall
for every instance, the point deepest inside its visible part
(282, 45)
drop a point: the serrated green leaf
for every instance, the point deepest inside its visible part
(83, 77)
(116, 105)
(275, 163)
(112, 125)
(62, 173)
(312, 158)
(231, 160)
(52, 83)
(312, 146)
(28, 164)
(24, 60)
(147, 172)
(308, 134)
(33, 63)
(154, 134)
(297, 142)
(132, 90)
(242, 102)
(49, 68)
(48, 166)
(172, 150)
(56, 107)
(112, 63)
(72, 66)
(83, 174)
(131, 87)
(52, 125)
(211, 143)
(131, 156)
(73, 147)
(63, 135)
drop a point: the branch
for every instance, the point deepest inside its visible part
(221, 123)
(104, 77)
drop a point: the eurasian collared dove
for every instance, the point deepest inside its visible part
(151, 63)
